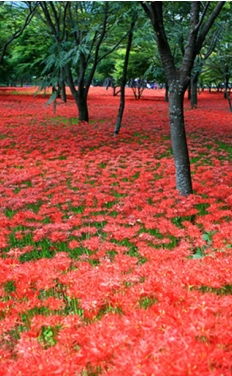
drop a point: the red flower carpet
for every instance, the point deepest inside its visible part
(105, 269)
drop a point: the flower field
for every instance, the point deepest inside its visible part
(105, 269)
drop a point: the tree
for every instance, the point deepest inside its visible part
(215, 56)
(199, 63)
(140, 66)
(20, 18)
(201, 17)
(218, 66)
(79, 29)
(26, 54)
(124, 77)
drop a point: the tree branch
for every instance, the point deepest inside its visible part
(19, 32)
(206, 27)
(203, 15)
(43, 5)
(155, 13)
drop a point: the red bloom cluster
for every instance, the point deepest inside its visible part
(105, 270)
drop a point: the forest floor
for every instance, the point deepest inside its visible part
(105, 269)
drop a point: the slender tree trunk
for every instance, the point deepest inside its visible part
(63, 92)
(62, 86)
(229, 100)
(194, 80)
(179, 142)
(166, 99)
(123, 82)
(120, 111)
(226, 81)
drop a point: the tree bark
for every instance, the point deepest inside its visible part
(179, 142)
(226, 80)
(178, 78)
(62, 86)
(83, 109)
(80, 96)
(166, 92)
(123, 82)
(63, 92)
(194, 80)
(120, 111)
(229, 100)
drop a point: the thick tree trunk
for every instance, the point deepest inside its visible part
(201, 20)
(80, 96)
(179, 142)
(82, 108)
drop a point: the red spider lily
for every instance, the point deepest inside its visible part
(104, 268)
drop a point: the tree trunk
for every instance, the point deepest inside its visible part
(226, 80)
(63, 92)
(179, 142)
(79, 95)
(229, 100)
(62, 86)
(120, 112)
(123, 82)
(82, 108)
(194, 80)
(166, 92)
(201, 20)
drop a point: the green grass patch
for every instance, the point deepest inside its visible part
(221, 291)
(102, 165)
(110, 204)
(35, 207)
(135, 176)
(147, 302)
(132, 249)
(77, 209)
(226, 147)
(118, 195)
(9, 287)
(178, 221)
(79, 251)
(9, 213)
(152, 231)
(48, 336)
(202, 208)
